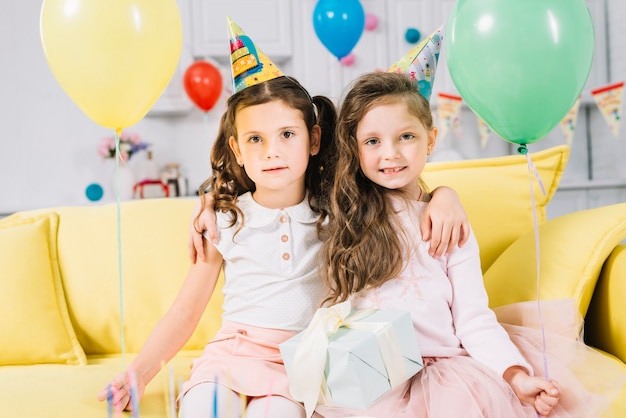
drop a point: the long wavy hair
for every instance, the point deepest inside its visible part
(229, 180)
(363, 247)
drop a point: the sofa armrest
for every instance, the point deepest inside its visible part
(605, 324)
(573, 249)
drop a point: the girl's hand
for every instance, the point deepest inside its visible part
(206, 222)
(445, 222)
(118, 392)
(543, 395)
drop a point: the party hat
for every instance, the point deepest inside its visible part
(420, 63)
(249, 65)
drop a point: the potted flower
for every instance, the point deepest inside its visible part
(130, 143)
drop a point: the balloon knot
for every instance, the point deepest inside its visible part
(522, 149)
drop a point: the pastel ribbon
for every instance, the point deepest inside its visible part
(307, 382)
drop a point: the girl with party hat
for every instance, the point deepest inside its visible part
(385, 133)
(270, 160)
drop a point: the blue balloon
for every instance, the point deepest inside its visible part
(339, 24)
(94, 192)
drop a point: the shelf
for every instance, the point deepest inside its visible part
(592, 184)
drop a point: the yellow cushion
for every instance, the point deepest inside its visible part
(604, 324)
(154, 264)
(496, 194)
(55, 391)
(573, 249)
(35, 326)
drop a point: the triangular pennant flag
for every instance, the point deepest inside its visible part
(249, 65)
(568, 123)
(420, 63)
(609, 101)
(457, 124)
(483, 132)
(449, 110)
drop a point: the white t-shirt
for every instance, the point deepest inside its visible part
(271, 265)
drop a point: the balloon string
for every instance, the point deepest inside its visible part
(118, 132)
(533, 170)
(270, 393)
(170, 392)
(134, 395)
(215, 398)
(336, 64)
(109, 401)
(341, 74)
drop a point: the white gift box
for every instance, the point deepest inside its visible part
(351, 359)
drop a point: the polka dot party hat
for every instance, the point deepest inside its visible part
(420, 63)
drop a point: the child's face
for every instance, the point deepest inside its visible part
(273, 145)
(393, 146)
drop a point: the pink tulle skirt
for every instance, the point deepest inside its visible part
(245, 359)
(446, 387)
(589, 380)
(462, 387)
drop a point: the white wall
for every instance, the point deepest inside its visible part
(48, 146)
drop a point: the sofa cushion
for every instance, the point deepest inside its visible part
(604, 323)
(573, 249)
(481, 183)
(154, 260)
(35, 326)
(56, 391)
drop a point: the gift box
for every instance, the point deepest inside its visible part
(351, 358)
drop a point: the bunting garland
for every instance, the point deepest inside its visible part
(568, 123)
(449, 111)
(483, 131)
(609, 101)
(608, 98)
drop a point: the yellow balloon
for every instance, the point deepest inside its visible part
(113, 58)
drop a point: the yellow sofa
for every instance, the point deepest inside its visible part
(62, 310)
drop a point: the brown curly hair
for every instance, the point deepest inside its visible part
(363, 248)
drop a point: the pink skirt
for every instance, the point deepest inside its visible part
(445, 387)
(245, 359)
(589, 380)
(462, 387)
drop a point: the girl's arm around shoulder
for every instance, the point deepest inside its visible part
(174, 328)
(543, 395)
(206, 220)
(445, 223)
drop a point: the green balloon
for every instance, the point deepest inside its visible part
(520, 65)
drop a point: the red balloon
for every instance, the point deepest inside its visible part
(203, 84)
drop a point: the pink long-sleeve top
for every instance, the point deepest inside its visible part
(446, 298)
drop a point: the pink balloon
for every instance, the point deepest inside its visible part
(348, 60)
(371, 21)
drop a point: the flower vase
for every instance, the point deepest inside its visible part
(126, 180)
